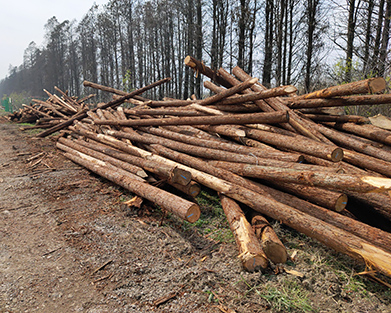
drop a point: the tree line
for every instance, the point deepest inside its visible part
(127, 44)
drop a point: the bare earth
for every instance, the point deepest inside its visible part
(69, 244)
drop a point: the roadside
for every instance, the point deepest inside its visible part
(69, 244)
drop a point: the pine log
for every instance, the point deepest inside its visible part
(270, 243)
(172, 174)
(302, 126)
(229, 92)
(312, 178)
(352, 143)
(250, 252)
(331, 236)
(367, 131)
(202, 151)
(60, 102)
(297, 103)
(299, 144)
(337, 118)
(219, 145)
(162, 112)
(50, 107)
(67, 145)
(186, 210)
(275, 117)
(200, 67)
(371, 85)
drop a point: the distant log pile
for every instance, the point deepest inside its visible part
(254, 146)
(55, 110)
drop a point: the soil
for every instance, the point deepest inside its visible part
(68, 243)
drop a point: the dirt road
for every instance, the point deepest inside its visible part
(68, 244)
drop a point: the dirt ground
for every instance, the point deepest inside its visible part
(69, 244)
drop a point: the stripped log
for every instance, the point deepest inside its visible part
(186, 210)
(299, 144)
(250, 252)
(275, 117)
(334, 237)
(295, 103)
(337, 118)
(371, 85)
(270, 243)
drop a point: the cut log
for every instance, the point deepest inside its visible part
(297, 103)
(337, 118)
(299, 144)
(275, 117)
(371, 85)
(250, 252)
(270, 243)
(334, 237)
(367, 131)
(186, 210)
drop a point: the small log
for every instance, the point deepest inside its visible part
(295, 103)
(371, 85)
(50, 107)
(162, 112)
(275, 117)
(299, 144)
(186, 210)
(270, 243)
(250, 252)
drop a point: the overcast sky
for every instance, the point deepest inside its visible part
(23, 21)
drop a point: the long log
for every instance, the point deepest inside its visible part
(220, 145)
(331, 236)
(211, 153)
(250, 252)
(270, 243)
(312, 178)
(367, 131)
(275, 117)
(302, 126)
(337, 118)
(186, 210)
(299, 144)
(371, 85)
(67, 145)
(352, 143)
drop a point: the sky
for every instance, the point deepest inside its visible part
(23, 21)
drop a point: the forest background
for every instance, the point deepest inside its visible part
(127, 44)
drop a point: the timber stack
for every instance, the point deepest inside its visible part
(266, 152)
(55, 110)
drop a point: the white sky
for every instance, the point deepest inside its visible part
(23, 21)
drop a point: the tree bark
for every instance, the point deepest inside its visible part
(250, 252)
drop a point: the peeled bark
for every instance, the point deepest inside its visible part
(250, 252)
(367, 131)
(270, 243)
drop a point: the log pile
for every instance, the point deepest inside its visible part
(260, 151)
(55, 110)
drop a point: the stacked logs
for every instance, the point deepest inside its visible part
(259, 151)
(53, 111)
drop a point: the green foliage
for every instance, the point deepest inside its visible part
(127, 81)
(17, 99)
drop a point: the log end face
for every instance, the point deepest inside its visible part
(193, 213)
(189, 62)
(254, 263)
(377, 85)
(194, 190)
(337, 155)
(341, 203)
(275, 252)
